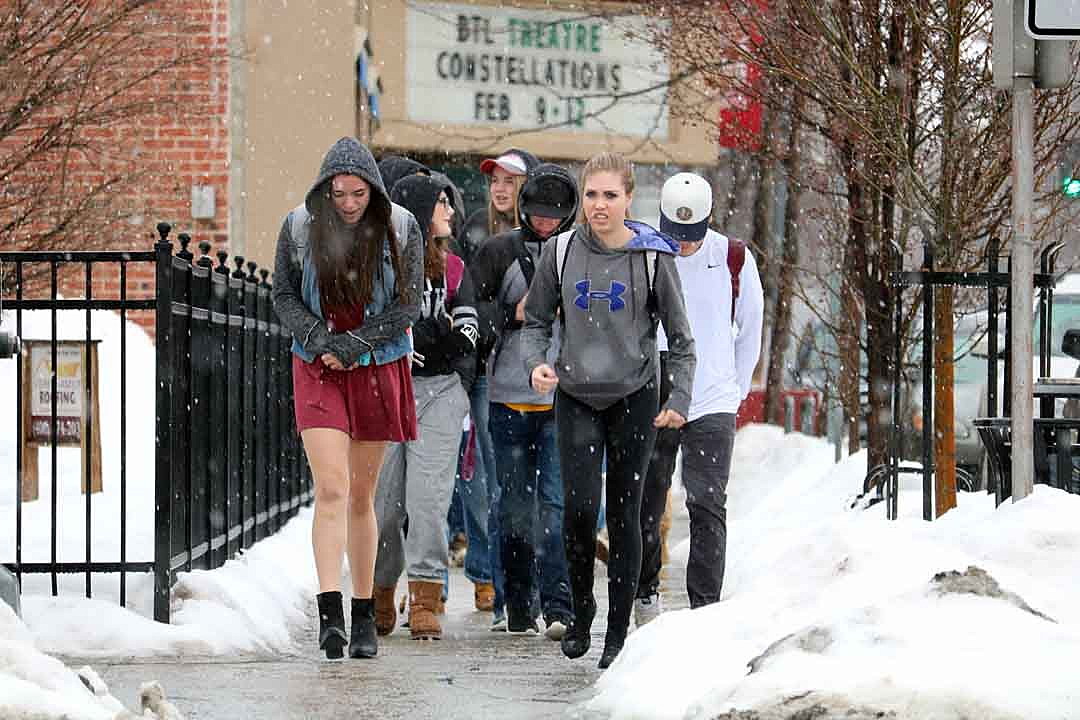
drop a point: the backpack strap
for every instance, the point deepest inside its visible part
(400, 218)
(562, 249)
(650, 275)
(736, 258)
(525, 262)
(297, 219)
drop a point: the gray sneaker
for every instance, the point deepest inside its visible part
(555, 630)
(647, 609)
(498, 621)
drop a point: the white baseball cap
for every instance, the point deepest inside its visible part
(510, 162)
(685, 207)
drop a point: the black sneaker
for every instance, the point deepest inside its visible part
(576, 640)
(520, 623)
(613, 644)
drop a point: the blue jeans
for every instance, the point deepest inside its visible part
(455, 516)
(478, 499)
(481, 500)
(531, 510)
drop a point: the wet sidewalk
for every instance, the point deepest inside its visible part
(471, 674)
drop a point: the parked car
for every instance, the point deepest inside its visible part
(1065, 316)
(970, 357)
(970, 376)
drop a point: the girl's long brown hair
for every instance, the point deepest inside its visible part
(346, 271)
(435, 258)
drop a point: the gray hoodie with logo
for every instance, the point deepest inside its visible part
(608, 334)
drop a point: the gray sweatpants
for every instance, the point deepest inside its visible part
(417, 479)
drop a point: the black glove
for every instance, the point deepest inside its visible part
(430, 331)
(463, 340)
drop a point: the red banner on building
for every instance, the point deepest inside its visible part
(739, 119)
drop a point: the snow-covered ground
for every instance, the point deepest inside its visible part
(841, 603)
(822, 602)
(249, 605)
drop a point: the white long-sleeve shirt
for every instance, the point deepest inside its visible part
(726, 353)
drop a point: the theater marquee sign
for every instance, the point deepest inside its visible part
(517, 68)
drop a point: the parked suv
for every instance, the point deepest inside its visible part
(970, 356)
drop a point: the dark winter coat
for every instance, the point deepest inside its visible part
(444, 338)
(502, 272)
(382, 337)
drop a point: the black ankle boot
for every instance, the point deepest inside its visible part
(363, 643)
(577, 639)
(613, 643)
(331, 625)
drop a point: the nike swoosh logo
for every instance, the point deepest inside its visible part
(710, 267)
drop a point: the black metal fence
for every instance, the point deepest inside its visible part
(229, 468)
(885, 478)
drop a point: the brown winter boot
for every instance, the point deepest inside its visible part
(602, 548)
(423, 604)
(665, 528)
(385, 615)
(459, 545)
(484, 595)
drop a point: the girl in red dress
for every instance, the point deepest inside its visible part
(347, 275)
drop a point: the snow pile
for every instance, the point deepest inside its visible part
(34, 685)
(843, 606)
(249, 605)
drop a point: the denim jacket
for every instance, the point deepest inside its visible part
(297, 245)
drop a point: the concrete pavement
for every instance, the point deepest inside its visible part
(471, 674)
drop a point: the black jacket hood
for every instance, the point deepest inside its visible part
(395, 167)
(538, 183)
(348, 156)
(418, 194)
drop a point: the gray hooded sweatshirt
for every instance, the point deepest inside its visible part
(294, 295)
(608, 346)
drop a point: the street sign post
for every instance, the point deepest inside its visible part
(1049, 19)
(1020, 51)
(1031, 49)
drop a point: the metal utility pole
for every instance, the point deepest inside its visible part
(1023, 267)
(1030, 50)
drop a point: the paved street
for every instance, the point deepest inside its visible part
(472, 673)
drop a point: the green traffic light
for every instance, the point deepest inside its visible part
(1071, 187)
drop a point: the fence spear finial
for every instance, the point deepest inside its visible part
(238, 273)
(204, 248)
(185, 240)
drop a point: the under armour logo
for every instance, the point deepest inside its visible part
(613, 295)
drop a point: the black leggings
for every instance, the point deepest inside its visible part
(625, 431)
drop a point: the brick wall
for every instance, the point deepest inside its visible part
(171, 132)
